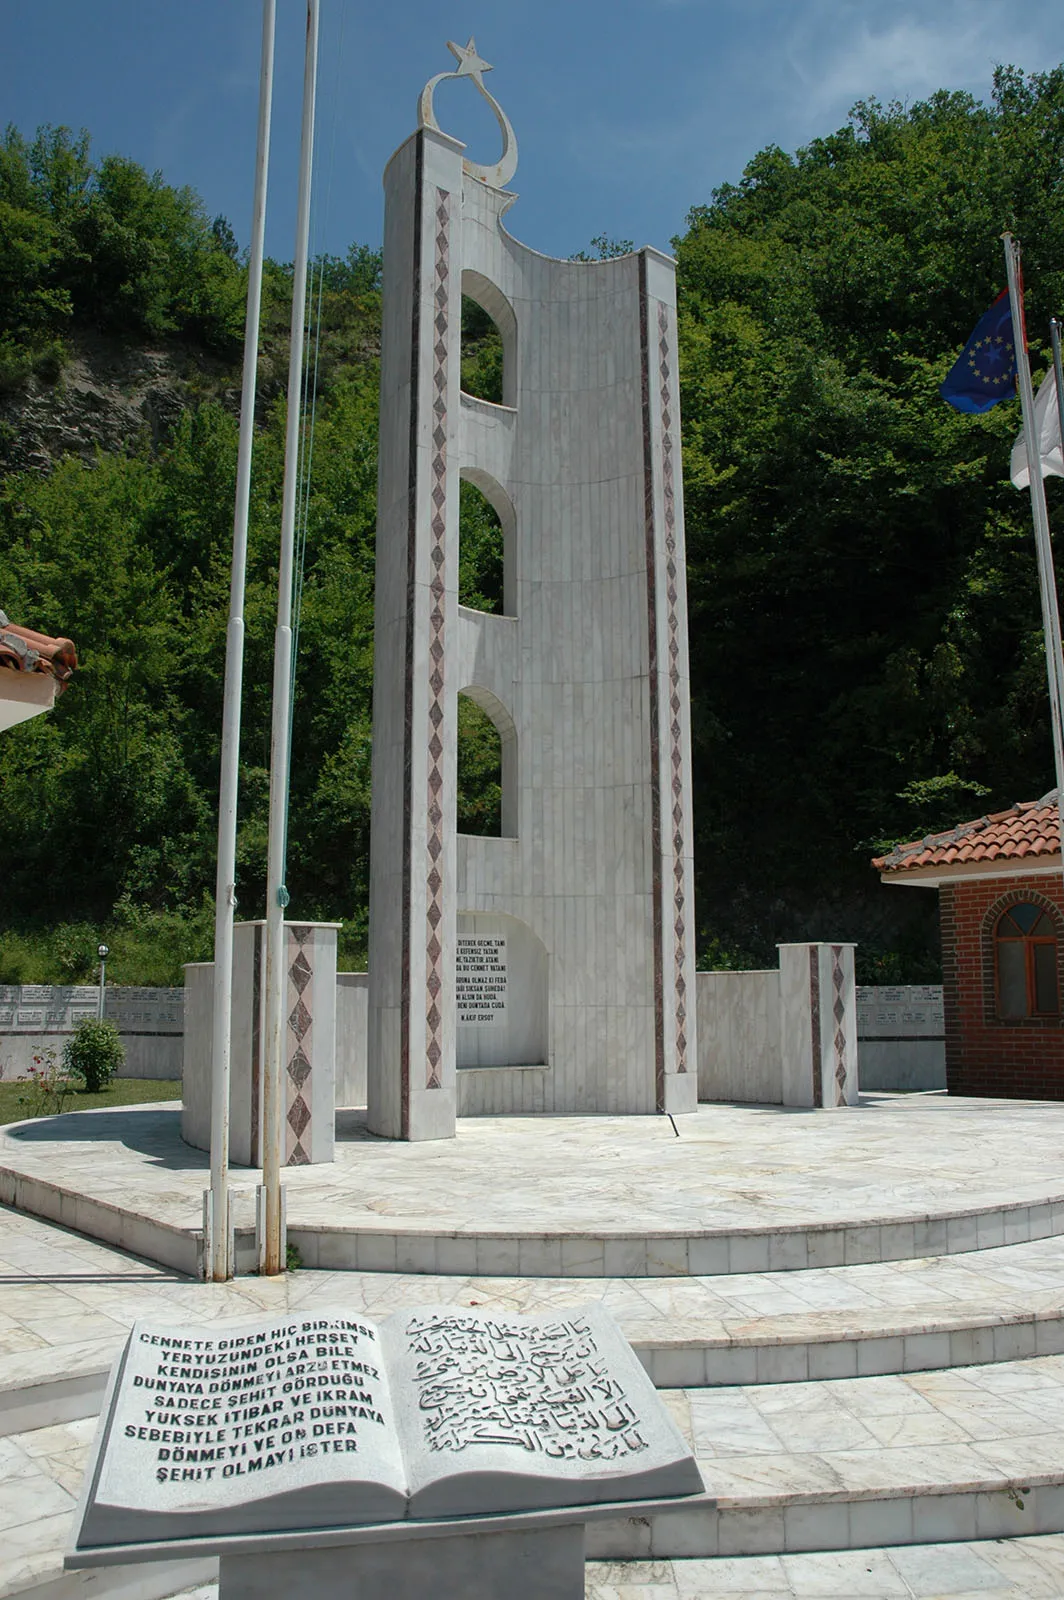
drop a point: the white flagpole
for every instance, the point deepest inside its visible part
(1046, 577)
(1058, 373)
(276, 892)
(219, 1267)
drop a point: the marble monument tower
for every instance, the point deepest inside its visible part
(552, 968)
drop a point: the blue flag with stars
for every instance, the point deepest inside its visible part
(985, 370)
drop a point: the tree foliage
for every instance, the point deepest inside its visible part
(865, 632)
(109, 245)
(862, 586)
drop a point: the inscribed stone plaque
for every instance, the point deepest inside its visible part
(481, 981)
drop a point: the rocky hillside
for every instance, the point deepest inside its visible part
(107, 394)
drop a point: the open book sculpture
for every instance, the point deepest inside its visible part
(307, 1422)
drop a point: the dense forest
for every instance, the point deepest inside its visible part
(865, 629)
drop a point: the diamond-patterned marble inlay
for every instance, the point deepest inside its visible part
(299, 1049)
(437, 625)
(298, 1115)
(675, 730)
(838, 1011)
(300, 972)
(299, 1068)
(300, 1020)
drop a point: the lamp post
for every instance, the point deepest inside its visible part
(103, 952)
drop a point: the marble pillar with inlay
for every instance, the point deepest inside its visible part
(308, 1081)
(818, 1025)
(587, 895)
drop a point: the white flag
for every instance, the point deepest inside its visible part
(1047, 426)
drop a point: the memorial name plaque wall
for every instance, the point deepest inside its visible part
(337, 1421)
(480, 980)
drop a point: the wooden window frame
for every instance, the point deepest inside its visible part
(1028, 941)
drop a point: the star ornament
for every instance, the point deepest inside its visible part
(469, 63)
(989, 354)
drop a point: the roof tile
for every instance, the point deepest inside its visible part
(23, 650)
(1031, 828)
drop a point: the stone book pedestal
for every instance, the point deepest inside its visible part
(537, 1563)
(442, 1451)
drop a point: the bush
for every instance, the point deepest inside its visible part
(95, 1053)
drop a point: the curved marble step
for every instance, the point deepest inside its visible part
(62, 1385)
(727, 1190)
(575, 1254)
(68, 1302)
(40, 1477)
(870, 1462)
(1004, 1569)
(864, 1463)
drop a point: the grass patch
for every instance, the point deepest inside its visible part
(119, 1092)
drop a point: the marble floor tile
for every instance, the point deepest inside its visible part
(934, 1570)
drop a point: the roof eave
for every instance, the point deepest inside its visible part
(932, 876)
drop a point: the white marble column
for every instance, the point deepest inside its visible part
(411, 1043)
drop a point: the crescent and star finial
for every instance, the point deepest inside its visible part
(471, 65)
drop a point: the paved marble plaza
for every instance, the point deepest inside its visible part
(835, 1410)
(1017, 1569)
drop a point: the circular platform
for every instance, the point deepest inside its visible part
(729, 1189)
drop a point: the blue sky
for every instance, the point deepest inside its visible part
(627, 112)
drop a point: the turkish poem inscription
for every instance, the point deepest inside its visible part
(198, 1409)
(480, 977)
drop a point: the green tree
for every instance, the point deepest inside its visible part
(863, 594)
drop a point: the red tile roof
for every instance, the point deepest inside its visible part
(1031, 828)
(23, 650)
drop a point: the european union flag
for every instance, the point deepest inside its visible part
(985, 370)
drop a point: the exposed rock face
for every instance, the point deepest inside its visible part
(109, 396)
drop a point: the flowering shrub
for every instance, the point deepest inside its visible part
(49, 1086)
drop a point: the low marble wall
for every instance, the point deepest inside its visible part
(352, 1021)
(901, 1032)
(739, 1037)
(36, 1017)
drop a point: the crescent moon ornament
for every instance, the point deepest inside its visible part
(471, 65)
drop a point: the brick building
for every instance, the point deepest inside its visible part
(1001, 904)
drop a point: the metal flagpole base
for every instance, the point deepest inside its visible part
(206, 1271)
(260, 1227)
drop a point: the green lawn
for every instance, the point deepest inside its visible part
(15, 1102)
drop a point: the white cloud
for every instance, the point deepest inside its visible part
(838, 54)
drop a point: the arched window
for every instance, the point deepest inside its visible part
(1025, 962)
(489, 341)
(482, 355)
(486, 545)
(479, 771)
(487, 765)
(481, 551)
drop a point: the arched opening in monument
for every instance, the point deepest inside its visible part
(481, 552)
(487, 766)
(501, 978)
(489, 342)
(486, 544)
